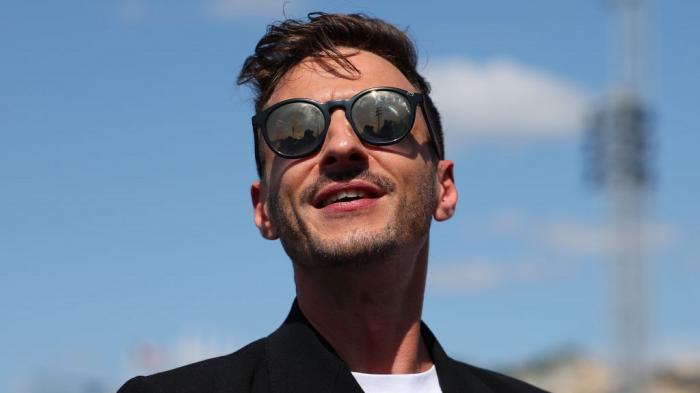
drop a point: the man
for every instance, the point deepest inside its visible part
(349, 152)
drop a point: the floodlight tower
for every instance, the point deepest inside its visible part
(618, 145)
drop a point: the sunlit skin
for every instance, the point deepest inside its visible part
(369, 311)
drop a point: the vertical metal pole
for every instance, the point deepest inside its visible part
(626, 188)
(617, 145)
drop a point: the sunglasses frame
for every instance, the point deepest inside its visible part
(259, 120)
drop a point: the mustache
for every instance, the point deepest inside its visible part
(382, 182)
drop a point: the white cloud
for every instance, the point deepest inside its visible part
(135, 11)
(480, 274)
(150, 357)
(190, 349)
(576, 237)
(464, 277)
(681, 352)
(569, 236)
(507, 222)
(504, 99)
(584, 239)
(132, 11)
(233, 9)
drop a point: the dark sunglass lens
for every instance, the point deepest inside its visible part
(382, 116)
(295, 129)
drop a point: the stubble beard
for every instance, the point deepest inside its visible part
(408, 222)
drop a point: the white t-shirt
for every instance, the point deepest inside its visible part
(425, 382)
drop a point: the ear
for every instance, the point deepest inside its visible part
(262, 219)
(447, 191)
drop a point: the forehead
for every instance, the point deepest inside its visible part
(314, 80)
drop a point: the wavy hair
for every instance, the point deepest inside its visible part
(287, 43)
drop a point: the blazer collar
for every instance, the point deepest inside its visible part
(301, 360)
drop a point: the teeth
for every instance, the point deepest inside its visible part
(346, 194)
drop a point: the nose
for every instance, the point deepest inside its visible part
(342, 149)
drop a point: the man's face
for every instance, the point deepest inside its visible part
(350, 202)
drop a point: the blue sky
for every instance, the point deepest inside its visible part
(126, 235)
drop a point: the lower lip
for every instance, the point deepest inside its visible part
(350, 206)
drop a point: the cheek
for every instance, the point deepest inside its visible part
(277, 167)
(413, 147)
(421, 178)
(275, 172)
(285, 185)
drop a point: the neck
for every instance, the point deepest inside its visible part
(370, 313)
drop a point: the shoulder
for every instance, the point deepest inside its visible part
(498, 383)
(241, 371)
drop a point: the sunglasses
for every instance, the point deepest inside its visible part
(379, 116)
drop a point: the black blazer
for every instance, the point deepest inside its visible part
(296, 359)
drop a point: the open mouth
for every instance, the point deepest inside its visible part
(345, 194)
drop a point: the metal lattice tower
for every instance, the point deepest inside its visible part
(618, 148)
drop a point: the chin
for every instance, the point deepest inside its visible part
(349, 249)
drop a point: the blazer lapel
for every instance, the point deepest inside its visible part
(452, 379)
(300, 360)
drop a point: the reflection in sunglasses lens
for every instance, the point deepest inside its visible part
(295, 128)
(379, 117)
(382, 116)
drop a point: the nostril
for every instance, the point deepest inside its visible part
(356, 157)
(342, 147)
(330, 160)
(353, 158)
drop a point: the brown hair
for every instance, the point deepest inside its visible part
(287, 43)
